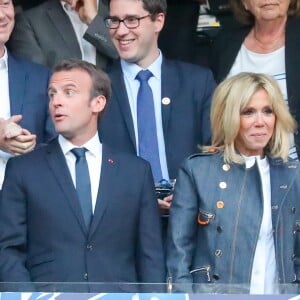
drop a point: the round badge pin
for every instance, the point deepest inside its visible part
(166, 101)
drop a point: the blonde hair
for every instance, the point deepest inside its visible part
(231, 97)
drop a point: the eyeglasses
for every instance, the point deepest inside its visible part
(130, 22)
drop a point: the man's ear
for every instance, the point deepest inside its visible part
(98, 103)
(159, 22)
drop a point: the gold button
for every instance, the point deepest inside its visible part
(226, 167)
(166, 101)
(223, 185)
(220, 204)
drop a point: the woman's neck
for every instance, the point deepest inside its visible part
(266, 37)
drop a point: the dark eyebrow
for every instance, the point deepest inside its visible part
(126, 16)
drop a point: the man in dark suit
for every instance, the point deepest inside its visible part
(44, 233)
(56, 30)
(24, 119)
(181, 91)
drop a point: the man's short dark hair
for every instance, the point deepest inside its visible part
(154, 7)
(101, 84)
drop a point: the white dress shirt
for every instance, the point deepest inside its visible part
(5, 109)
(264, 271)
(94, 161)
(132, 86)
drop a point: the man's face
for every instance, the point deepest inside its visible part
(7, 22)
(138, 45)
(73, 112)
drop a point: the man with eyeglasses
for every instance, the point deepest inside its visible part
(181, 93)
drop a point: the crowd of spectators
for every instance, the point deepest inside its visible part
(138, 144)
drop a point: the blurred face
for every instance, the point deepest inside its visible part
(72, 111)
(7, 21)
(138, 45)
(267, 9)
(257, 122)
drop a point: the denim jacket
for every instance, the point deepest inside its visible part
(216, 215)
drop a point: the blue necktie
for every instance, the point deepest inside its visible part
(83, 184)
(148, 145)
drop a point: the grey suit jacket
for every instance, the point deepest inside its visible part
(45, 35)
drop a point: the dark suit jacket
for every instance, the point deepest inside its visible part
(185, 120)
(43, 237)
(28, 86)
(227, 46)
(45, 35)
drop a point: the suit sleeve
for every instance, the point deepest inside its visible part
(150, 259)
(181, 241)
(98, 35)
(13, 226)
(23, 42)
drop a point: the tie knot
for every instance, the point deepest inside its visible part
(143, 75)
(79, 152)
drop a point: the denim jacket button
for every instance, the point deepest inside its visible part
(226, 167)
(219, 229)
(218, 252)
(223, 185)
(220, 204)
(216, 276)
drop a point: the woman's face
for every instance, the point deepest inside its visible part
(257, 122)
(267, 10)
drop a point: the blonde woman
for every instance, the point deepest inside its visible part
(236, 205)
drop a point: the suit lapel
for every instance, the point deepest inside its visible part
(109, 170)
(169, 91)
(58, 166)
(59, 20)
(292, 61)
(230, 52)
(17, 82)
(121, 97)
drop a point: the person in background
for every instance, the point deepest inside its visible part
(56, 30)
(25, 4)
(267, 42)
(24, 119)
(236, 206)
(178, 37)
(70, 211)
(159, 108)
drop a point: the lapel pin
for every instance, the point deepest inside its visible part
(110, 161)
(166, 101)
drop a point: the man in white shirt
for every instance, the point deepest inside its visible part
(24, 117)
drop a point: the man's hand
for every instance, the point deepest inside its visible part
(86, 9)
(165, 204)
(23, 143)
(13, 138)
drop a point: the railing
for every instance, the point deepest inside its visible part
(132, 291)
